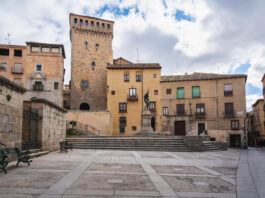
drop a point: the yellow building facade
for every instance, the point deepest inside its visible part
(127, 83)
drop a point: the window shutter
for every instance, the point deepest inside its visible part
(195, 91)
(180, 92)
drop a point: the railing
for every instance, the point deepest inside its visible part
(200, 114)
(17, 70)
(228, 93)
(229, 114)
(132, 97)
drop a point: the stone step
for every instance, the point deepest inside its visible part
(34, 155)
(137, 148)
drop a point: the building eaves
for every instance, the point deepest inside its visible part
(135, 66)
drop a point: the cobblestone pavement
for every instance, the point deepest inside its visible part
(108, 173)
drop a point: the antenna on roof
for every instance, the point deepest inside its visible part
(137, 60)
(8, 39)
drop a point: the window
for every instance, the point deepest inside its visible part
(84, 107)
(235, 124)
(103, 25)
(200, 110)
(38, 86)
(86, 44)
(122, 107)
(4, 52)
(165, 110)
(126, 77)
(35, 49)
(92, 23)
(18, 53)
(138, 78)
(55, 50)
(96, 46)
(3, 66)
(155, 92)
(152, 106)
(45, 49)
(180, 109)
(97, 24)
(134, 128)
(196, 92)
(86, 22)
(75, 20)
(180, 92)
(108, 26)
(64, 103)
(17, 69)
(229, 109)
(18, 81)
(56, 85)
(123, 121)
(112, 92)
(154, 75)
(132, 91)
(84, 84)
(168, 91)
(122, 129)
(228, 90)
(93, 64)
(38, 67)
(81, 22)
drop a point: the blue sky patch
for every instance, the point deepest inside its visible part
(250, 89)
(116, 10)
(180, 15)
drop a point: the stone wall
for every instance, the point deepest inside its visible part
(97, 122)
(51, 125)
(11, 113)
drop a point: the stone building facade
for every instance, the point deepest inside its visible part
(11, 113)
(198, 103)
(91, 44)
(127, 83)
(39, 67)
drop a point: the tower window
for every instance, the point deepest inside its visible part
(86, 45)
(97, 24)
(96, 46)
(86, 22)
(93, 64)
(75, 20)
(103, 25)
(92, 23)
(81, 21)
(84, 84)
(108, 26)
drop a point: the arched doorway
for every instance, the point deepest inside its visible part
(84, 106)
(153, 123)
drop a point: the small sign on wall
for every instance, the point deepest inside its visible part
(240, 113)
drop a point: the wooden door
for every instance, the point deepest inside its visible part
(180, 128)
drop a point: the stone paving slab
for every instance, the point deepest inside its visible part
(111, 173)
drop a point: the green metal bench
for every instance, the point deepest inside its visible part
(12, 154)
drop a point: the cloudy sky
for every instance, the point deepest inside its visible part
(221, 36)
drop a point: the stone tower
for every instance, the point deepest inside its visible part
(91, 51)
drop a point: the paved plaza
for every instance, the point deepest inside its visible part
(109, 173)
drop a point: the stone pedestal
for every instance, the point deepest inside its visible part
(146, 129)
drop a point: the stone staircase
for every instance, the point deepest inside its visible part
(130, 143)
(214, 146)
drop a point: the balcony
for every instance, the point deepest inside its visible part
(38, 87)
(229, 114)
(200, 114)
(181, 113)
(228, 93)
(17, 70)
(132, 97)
